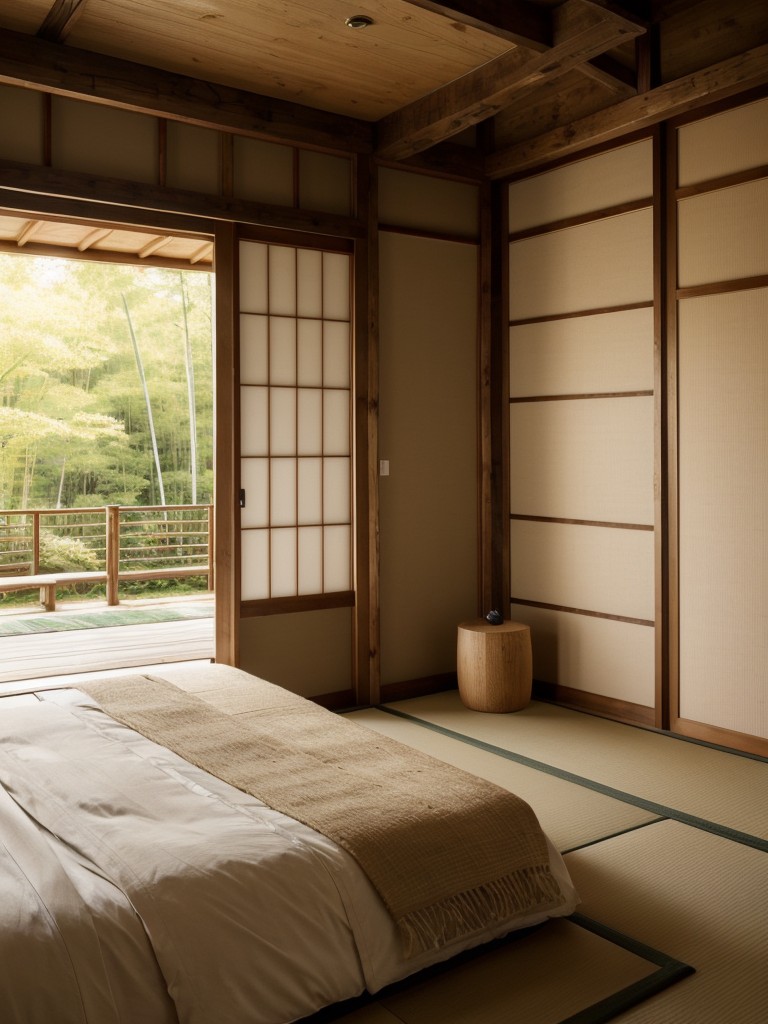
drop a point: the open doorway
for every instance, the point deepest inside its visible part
(106, 440)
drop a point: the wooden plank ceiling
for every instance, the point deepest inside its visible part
(55, 236)
(536, 78)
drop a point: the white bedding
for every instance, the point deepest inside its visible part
(136, 888)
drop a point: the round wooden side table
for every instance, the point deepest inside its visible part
(494, 665)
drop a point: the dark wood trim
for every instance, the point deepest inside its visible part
(724, 181)
(581, 611)
(581, 32)
(35, 63)
(418, 687)
(581, 522)
(670, 370)
(296, 170)
(27, 178)
(719, 106)
(742, 741)
(611, 74)
(450, 160)
(341, 700)
(300, 239)
(720, 287)
(101, 215)
(227, 465)
(47, 129)
(581, 312)
(501, 449)
(524, 399)
(300, 603)
(583, 218)
(162, 152)
(488, 404)
(594, 703)
(439, 236)
(699, 89)
(518, 21)
(661, 215)
(226, 165)
(562, 160)
(366, 630)
(60, 20)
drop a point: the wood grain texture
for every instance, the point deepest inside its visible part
(81, 74)
(301, 51)
(726, 78)
(581, 33)
(494, 665)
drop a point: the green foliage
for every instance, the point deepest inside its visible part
(74, 429)
(65, 554)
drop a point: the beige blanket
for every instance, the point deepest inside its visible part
(448, 853)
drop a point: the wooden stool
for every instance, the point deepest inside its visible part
(494, 665)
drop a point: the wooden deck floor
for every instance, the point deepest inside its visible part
(74, 652)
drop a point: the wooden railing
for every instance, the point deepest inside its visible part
(110, 545)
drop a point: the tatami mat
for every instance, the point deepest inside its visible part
(515, 981)
(571, 815)
(692, 883)
(699, 781)
(699, 897)
(512, 980)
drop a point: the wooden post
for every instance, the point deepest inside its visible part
(35, 543)
(211, 560)
(113, 553)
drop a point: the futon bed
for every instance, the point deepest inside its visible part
(205, 847)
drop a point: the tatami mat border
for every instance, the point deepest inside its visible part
(669, 971)
(647, 805)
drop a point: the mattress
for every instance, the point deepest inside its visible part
(136, 886)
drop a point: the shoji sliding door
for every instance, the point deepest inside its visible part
(582, 427)
(296, 489)
(722, 415)
(295, 435)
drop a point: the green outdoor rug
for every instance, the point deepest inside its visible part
(97, 620)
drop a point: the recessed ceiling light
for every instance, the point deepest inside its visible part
(358, 21)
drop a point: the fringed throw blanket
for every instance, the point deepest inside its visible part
(449, 854)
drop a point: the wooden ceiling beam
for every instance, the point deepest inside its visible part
(52, 189)
(520, 22)
(79, 74)
(154, 246)
(60, 20)
(611, 75)
(97, 235)
(719, 81)
(27, 231)
(205, 251)
(582, 30)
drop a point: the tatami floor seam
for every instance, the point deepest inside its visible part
(661, 810)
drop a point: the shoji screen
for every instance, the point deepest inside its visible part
(581, 422)
(722, 396)
(295, 370)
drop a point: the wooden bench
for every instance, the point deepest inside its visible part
(45, 583)
(48, 582)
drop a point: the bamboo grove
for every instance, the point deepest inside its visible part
(105, 384)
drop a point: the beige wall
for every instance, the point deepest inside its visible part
(722, 391)
(581, 423)
(307, 652)
(428, 433)
(95, 139)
